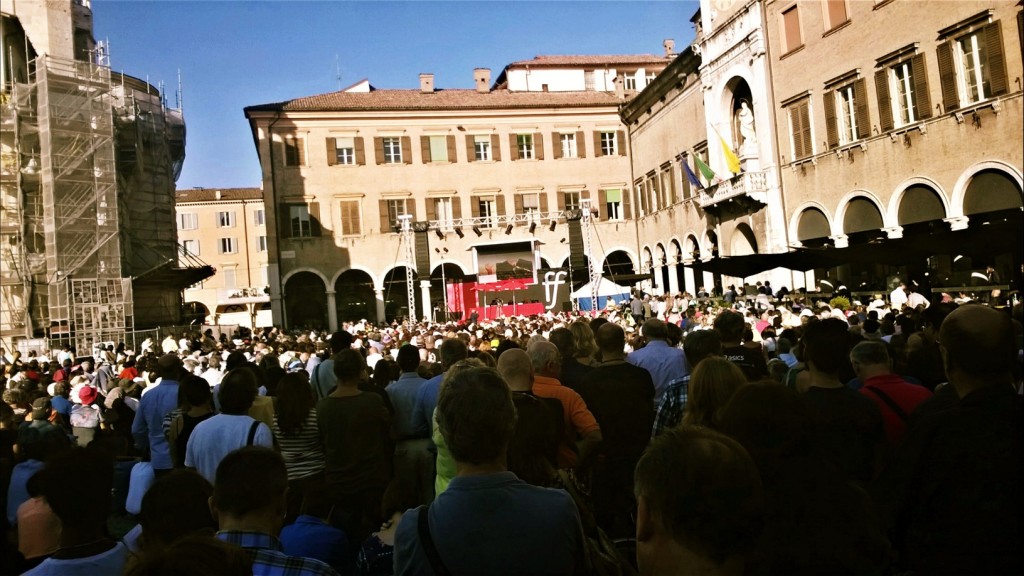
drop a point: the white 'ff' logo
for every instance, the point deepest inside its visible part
(552, 280)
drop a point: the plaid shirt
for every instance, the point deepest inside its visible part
(670, 412)
(268, 558)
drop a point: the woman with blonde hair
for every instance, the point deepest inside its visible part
(586, 345)
(712, 385)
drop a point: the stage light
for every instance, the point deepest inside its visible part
(533, 226)
(508, 230)
(476, 229)
(552, 226)
(440, 234)
(459, 233)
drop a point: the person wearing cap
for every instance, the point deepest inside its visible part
(147, 427)
(86, 417)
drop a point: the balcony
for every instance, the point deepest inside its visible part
(747, 192)
(232, 296)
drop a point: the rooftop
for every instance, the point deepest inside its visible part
(210, 194)
(437, 100)
(591, 60)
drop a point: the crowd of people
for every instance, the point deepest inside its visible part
(675, 435)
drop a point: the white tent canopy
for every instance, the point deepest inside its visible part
(604, 288)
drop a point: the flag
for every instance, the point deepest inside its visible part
(731, 160)
(689, 173)
(705, 170)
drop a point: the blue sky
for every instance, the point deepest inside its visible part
(239, 53)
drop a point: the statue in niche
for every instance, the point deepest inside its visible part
(745, 121)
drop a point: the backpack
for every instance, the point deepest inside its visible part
(603, 557)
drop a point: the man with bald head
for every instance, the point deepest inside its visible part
(515, 367)
(582, 432)
(147, 428)
(952, 495)
(664, 362)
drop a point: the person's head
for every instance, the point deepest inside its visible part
(476, 416)
(517, 369)
(408, 358)
(237, 392)
(700, 502)
(235, 360)
(175, 506)
(295, 400)
(340, 341)
(194, 555)
(250, 489)
(82, 504)
(654, 329)
(870, 358)
(399, 496)
(564, 340)
(826, 345)
(451, 351)
(730, 326)
(546, 359)
(168, 366)
(713, 383)
(701, 344)
(349, 368)
(611, 340)
(583, 338)
(193, 392)
(978, 347)
(41, 408)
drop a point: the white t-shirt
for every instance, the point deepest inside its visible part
(215, 437)
(109, 562)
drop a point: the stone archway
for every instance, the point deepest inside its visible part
(991, 191)
(813, 228)
(442, 276)
(743, 242)
(919, 204)
(306, 301)
(617, 263)
(396, 296)
(354, 296)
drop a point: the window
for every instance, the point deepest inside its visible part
(902, 92)
(351, 224)
(487, 208)
(393, 208)
(568, 145)
(531, 205)
(524, 144)
(441, 210)
(227, 246)
(229, 278)
(345, 151)
(571, 199)
(188, 221)
(800, 129)
(259, 217)
(835, 13)
(609, 143)
(846, 114)
(650, 78)
(629, 82)
(264, 275)
(791, 30)
(225, 219)
(437, 148)
(190, 246)
(392, 150)
(588, 80)
(261, 243)
(614, 206)
(301, 223)
(294, 150)
(481, 148)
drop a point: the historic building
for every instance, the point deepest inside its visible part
(527, 165)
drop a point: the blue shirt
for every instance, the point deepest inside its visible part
(402, 393)
(423, 411)
(663, 362)
(322, 378)
(268, 557)
(17, 491)
(148, 428)
(311, 537)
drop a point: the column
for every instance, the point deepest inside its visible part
(690, 280)
(841, 240)
(957, 222)
(332, 312)
(379, 294)
(425, 299)
(893, 232)
(673, 278)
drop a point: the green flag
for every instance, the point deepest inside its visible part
(705, 170)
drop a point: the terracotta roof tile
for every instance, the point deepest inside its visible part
(591, 59)
(438, 100)
(210, 194)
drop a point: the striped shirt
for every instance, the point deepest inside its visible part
(303, 451)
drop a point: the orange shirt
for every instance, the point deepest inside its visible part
(577, 417)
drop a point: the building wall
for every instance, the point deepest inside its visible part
(941, 152)
(558, 80)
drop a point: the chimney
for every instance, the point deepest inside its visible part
(427, 83)
(620, 88)
(218, 194)
(482, 79)
(670, 47)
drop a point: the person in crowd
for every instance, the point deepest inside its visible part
(951, 494)
(487, 521)
(414, 459)
(376, 555)
(573, 373)
(533, 450)
(582, 436)
(85, 416)
(322, 377)
(700, 504)
(895, 397)
(355, 429)
(698, 345)
(621, 397)
(297, 434)
(664, 362)
(196, 405)
(712, 385)
(450, 351)
(82, 506)
(731, 325)
(584, 342)
(194, 555)
(249, 503)
(924, 358)
(215, 437)
(312, 534)
(38, 527)
(176, 505)
(147, 427)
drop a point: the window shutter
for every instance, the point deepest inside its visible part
(560, 200)
(556, 145)
(332, 151)
(314, 219)
(474, 206)
(602, 204)
(500, 202)
(431, 209)
(470, 149)
(798, 141)
(300, 150)
(406, 150)
(517, 200)
(993, 38)
(425, 149)
(674, 192)
(805, 119)
(543, 202)
(410, 208)
(581, 145)
(860, 97)
(284, 222)
(598, 152)
(456, 208)
(538, 145)
(513, 147)
(378, 148)
(831, 128)
(621, 137)
(450, 142)
(385, 223)
(884, 102)
(627, 211)
(495, 148)
(360, 151)
(947, 77)
(922, 98)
